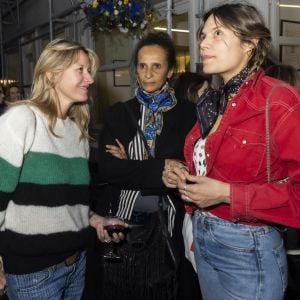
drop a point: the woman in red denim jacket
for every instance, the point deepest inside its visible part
(239, 252)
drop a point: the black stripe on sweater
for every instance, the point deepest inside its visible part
(51, 195)
(13, 243)
(30, 253)
(4, 199)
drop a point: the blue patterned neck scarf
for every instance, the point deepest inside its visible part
(214, 102)
(156, 103)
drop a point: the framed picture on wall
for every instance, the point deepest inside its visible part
(121, 75)
(289, 28)
(290, 55)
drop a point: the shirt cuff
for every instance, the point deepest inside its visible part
(240, 203)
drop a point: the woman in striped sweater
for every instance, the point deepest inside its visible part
(44, 177)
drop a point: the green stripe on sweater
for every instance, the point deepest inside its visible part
(46, 168)
(8, 176)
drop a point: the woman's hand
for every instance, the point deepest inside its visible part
(117, 151)
(174, 172)
(99, 222)
(204, 191)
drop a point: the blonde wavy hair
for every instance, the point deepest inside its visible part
(57, 56)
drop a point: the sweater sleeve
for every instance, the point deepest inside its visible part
(17, 128)
(274, 202)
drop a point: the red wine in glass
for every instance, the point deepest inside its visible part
(111, 229)
(113, 225)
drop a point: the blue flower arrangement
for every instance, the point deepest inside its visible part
(127, 16)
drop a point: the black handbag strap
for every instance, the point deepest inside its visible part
(166, 234)
(139, 130)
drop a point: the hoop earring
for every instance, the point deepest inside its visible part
(250, 52)
(50, 83)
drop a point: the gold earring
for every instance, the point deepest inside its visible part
(250, 52)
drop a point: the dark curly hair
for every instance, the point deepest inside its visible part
(285, 73)
(161, 39)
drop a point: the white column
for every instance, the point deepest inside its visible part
(195, 12)
(169, 17)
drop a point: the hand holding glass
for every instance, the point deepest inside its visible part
(115, 228)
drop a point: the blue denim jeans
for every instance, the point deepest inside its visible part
(54, 283)
(238, 262)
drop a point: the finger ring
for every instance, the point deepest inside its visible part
(106, 241)
(184, 188)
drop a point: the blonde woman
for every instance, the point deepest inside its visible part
(44, 177)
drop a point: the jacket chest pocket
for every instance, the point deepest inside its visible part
(241, 156)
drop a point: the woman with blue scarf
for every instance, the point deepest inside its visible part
(139, 139)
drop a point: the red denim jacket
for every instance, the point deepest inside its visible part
(236, 154)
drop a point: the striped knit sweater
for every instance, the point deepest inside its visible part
(43, 190)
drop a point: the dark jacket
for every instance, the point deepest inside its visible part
(140, 175)
(144, 176)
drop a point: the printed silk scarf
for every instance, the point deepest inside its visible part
(156, 103)
(214, 102)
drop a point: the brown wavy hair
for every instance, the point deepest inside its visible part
(248, 25)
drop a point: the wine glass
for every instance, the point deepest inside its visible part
(113, 224)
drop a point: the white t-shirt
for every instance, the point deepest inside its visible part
(187, 228)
